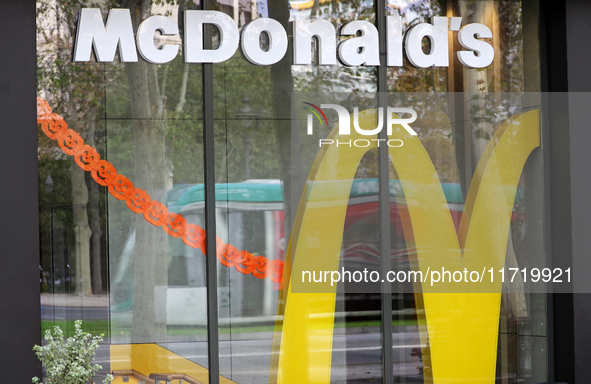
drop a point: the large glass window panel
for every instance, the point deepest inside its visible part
(158, 279)
(106, 257)
(456, 149)
(483, 116)
(73, 260)
(145, 287)
(261, 169)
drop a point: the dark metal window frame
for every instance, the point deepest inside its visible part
(20, 324)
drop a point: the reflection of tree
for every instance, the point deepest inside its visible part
(77, 92)
(432, 124)
(74, 91)
(484, 114)
(409, 78)
(479, 83)
(150, 173)
(338, 78)
(484, 107)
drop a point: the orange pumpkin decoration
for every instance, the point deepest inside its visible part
(120, 187)
(70, 141)
(43, 107)
(87, 157)
(244, 262)
(138, 200)
(194, 236)
(228, 255)
(156, 213)
(53, 125)
(275, 270)
(174, 224)
(259, 266)
(103, 172)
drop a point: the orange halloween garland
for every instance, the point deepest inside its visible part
(138, 200)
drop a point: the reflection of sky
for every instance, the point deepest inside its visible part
(263, 8)
(407, 9)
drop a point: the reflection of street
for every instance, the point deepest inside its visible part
(74, 307)
(356, 356)
(245, 357)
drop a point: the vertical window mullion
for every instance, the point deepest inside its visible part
(210, 220)
(384, 201)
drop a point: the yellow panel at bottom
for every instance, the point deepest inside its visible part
(152, 358)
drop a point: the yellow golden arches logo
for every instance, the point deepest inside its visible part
(462, 327)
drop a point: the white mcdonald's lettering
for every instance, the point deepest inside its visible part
(361, 48)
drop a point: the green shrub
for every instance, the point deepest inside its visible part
(69, 361)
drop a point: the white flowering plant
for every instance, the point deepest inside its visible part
(69, 361)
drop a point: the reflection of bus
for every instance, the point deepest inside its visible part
(250, 217)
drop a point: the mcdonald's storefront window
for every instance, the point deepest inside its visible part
(366, 179)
